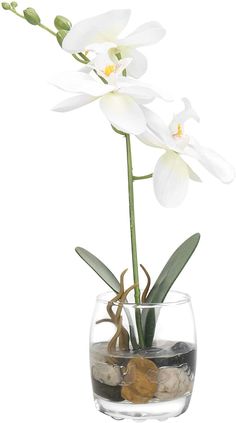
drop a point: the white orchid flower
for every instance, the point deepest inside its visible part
(121, 98)
(171, 175)
(101, 33)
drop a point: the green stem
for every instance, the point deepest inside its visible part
(139, 178)
(118, 131)
(47, 29)
(132, 219)
(41, 25)
(133, 240)
(16, 13)
(81, 57)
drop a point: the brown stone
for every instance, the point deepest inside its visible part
(140, 380)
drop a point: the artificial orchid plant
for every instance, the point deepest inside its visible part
(111, 66)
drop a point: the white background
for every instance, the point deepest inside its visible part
(63, 184)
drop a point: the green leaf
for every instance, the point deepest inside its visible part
(172, 269)
(99, 268)
(165, 280)
(110, 280)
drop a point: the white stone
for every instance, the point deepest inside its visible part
(172, 382)
(107, 373)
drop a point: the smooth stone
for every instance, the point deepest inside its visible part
(180, 347)
(112, 393)
(140, 380)
(172, 382)
(188, 359)
(107, 373)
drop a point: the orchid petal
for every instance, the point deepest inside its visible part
(98, 29)
(180, 118)
(138, 66)
(149, 33)
(123, 112)
(193, 175)
(158, 127)
(212, 161)
(123, 64)
(131, 82)
(127, 82)
(140, 94)
(73, 103)
(85, 69)
(80, 82)
(150, 139)
(216, 165)
(102, 60)
(180, 143)
(171, 178)
(192, 148)
(99, 48)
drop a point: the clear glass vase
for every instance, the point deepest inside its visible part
(151, 381)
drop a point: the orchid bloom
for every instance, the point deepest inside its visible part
(101, 33)
(121, 98)
(171, 175)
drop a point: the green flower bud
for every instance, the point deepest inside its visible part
(62, 23)
(31, 16)
(6, 6)
(14, 4)
(61, 35)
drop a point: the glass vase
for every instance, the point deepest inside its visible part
(143, 377)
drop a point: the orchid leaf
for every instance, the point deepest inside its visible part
(99, 268)
(164, 282)
(107, 276)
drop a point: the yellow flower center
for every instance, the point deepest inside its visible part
(109, 69)
(179, 132)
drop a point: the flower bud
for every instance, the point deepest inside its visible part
(31, 16)
(14, 4)
(62, 23)
(6, 6)
(61, 35)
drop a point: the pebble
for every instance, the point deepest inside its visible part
(140, 381)
(172, 382)
(180, 347)
(107, 373)
(177, 360)
(112, 393)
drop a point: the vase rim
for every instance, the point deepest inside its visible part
(178, 298)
